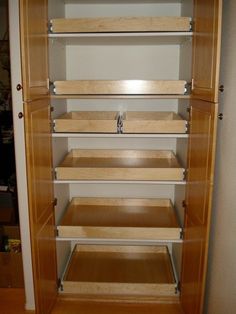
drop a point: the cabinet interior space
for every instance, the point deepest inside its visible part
(130, 56)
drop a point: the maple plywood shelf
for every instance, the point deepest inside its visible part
(120, 87)
(121, 24)
(115, 122)
(128, 271)
(111, 218)
(104, 164)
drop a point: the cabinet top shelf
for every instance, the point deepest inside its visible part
(121, 24)
(163, 30)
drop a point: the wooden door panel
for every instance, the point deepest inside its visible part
(206, 49)
(45, 243)
(191, 286)
(34, 48)
(39, 154)
(41, 209)
(200, 175)
(198, 204)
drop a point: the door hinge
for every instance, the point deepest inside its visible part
(52, 126)
(54, 174)
(59, 285)
(191, 25)
(187, 126)
(55, 202)
(185, 174)
(49, 25)
(56, 232)
(181, 234)
(178, 287)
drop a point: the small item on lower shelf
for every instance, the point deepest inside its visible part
(120, 87)
(11, 267)
(133, 165)
(120, 122)
(122, 271)
(120, 218)
(14, 245)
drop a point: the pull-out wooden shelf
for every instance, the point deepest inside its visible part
(120, 219)
(120, 271)
(121, 24)
(87, 122)
(107, 164)
(120, 87)
(115, 122)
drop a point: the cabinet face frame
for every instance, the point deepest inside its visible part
(36, 89)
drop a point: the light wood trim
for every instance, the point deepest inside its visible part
(119, 233)
(119, 289)
(121, 24)
(122, 249)
(119, 87)
(121, 201)
(120, 153)
(116, 218)
(154, 277)
(119, 96)
(74, 304)
(133, 122)
(119, 165)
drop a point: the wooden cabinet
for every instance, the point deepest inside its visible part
(133, 120)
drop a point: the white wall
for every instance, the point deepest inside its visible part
(221, 284)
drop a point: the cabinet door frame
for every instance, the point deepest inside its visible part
(37, 123)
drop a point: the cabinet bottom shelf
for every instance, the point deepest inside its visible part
(123, 271)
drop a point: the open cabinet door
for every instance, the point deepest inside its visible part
(206, 49)
(198, 204)
(37, 113)
(34, 48)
